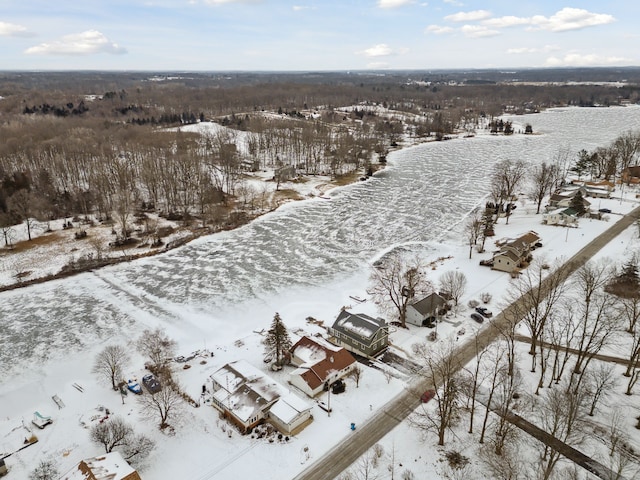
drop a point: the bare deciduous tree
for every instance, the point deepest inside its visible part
(504, 430)
(533, 297)
(115, 432)
(110, 362)
(441, 365)
(158, 347)
(473, 229)
(6, 229)
(507, 176)
(562, 416)
(164, 405)
(595, 325)
(543, 179)
(356, 374)
(454, 284)
(509, 465)
(395, 282)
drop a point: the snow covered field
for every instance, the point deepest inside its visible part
(305, 259)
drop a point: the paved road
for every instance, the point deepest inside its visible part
(345, 453)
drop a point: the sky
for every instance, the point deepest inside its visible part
(316, 35)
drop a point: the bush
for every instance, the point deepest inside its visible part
(456, 459)
(473, 303)
(485, 297)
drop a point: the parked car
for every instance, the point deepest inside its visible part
(151, 383)
(429, 322)
(477, 317)
(428, 395)
(134, 387)
(338, 387)
(605, 210)
(484, 311)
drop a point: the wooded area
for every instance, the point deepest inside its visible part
(108, 144)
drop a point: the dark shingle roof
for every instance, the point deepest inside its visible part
(358, 325)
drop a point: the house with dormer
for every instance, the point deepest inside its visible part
(360, 334)
(515, 253)
(319, 364)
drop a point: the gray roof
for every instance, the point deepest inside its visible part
(428, 304)
(358, 325)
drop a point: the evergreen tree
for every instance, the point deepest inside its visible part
(277, 341)
(629, 274)
(487, 225)
(577, 203)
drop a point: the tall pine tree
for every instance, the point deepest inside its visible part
(577, 203)
(277, 341)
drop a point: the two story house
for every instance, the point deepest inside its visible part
(516, 252)
(319, 364)
(247, 397)
(359, 333)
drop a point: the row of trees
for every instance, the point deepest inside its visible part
(570, 322)
(612, 161)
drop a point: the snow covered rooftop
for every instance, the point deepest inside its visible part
(289, 407)
(244, 390)
(110, 466)
(309, 351)
(359, 324)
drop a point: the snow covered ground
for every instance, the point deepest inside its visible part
(307, 259)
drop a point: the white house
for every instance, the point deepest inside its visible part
(561, 216)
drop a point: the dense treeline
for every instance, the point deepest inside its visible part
(93, 144)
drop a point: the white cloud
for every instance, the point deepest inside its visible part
(299, 8)
(13, 30)
(438, 29)
(468, 16)
(380, 50)
(378, 65)
(84, 43)
(393, 3)
(478, 31)
(455, 3)
(578, 60)
(521, 50)
(507, 21)
(571, 19)
(561, 21)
